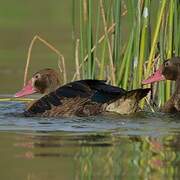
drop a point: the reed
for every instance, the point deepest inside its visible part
(61, 60)
(145, 33)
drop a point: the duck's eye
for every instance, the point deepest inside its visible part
(166, 63)
(37, 76)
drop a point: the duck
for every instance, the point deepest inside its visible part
(86, 97)
(169, 70)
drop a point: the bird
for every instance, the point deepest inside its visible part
(169, 70)
(86, 97)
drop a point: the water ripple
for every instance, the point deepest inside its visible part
(143, 123)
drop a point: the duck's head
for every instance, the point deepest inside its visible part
(43, 82)
(169, 70)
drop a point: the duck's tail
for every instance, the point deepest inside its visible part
(137, 94)
(128, 103)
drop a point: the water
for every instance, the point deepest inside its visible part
(142, 146)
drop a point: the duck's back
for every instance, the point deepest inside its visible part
(82, 98)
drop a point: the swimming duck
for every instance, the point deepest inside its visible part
(79, 98)
(169, 70)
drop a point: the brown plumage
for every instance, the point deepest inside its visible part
(169, 70)
(79, 98)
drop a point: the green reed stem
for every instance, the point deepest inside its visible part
(117, 35)
(122, 68)
(143, 42)
(89, 39)
(112, 73)
(81, 37)
(137, 20)
(96, 38)
(104, 46)
(161, 92)
(155, 37)
(102, 64)
(176, 27)
(170, 43)
(128, 61)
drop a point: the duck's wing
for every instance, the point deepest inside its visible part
(105, 93)
(97, 90)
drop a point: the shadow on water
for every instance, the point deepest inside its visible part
(142, 146)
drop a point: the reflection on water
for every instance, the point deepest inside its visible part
(145, 146)
(88, 156)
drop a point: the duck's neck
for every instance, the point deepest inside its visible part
(52, 86)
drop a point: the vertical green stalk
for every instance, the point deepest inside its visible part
(122, 68)
(176, 30)
(102, 64)
(105, 24)
(73, 25)
(117, 38)
(89, 37)
(155, 37)
(81, 37)
(143, 41)
(170, 43)
(137, 25)
(96, 38)
(161, 90)
(128, 61)
(178, 5)
(104, 47)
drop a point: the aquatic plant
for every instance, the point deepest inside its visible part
(125, 41)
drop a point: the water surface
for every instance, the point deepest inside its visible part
(142, 146)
